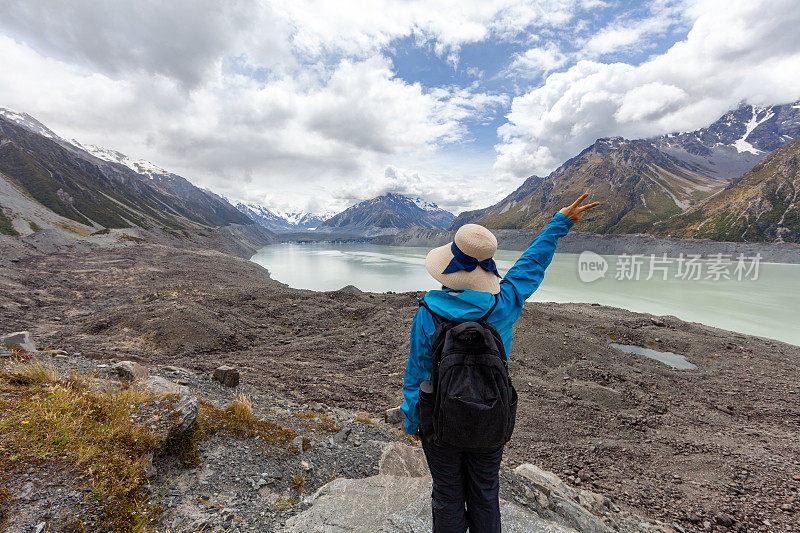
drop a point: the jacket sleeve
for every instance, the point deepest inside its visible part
(418, 366)
(522, 279)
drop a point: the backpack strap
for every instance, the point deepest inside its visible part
(438, 319)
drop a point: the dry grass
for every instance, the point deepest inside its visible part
(364, 418)
(321, 423)
(33, 372)
(51, 420)
(283, 504)
(241, 410)
(299, 483)
(239, 420)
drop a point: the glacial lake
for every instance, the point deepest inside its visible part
(768, 306)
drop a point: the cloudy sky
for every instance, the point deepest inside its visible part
(314, 105)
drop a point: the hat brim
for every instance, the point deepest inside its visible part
(478, 280)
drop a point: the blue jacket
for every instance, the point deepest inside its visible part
(519, 283)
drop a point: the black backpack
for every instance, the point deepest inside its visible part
(469, 402)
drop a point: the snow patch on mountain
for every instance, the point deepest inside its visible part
(28, 122)
(427, 206)
(112, 156)
(387, 214)
(742, 145)
(281, 220)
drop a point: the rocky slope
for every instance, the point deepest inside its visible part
(385, 215)
(96, 190)
(715, 448)
(737, 141)
(266, 463)
(762, 205)
(636, 184)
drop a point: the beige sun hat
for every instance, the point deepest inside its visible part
(476, 242)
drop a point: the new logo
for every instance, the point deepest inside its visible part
(591, 266)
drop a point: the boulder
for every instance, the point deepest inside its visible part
(403, 461)
(18, 339)
(393, 416)
(545, 481)
(341, 437)
(159, 385)
(390, 504)
(563, 502)
(168, 416)
(130, 371)
(227, 375)
(184, 413)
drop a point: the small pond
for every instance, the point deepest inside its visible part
(668, 358)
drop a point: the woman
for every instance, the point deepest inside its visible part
(466, 482)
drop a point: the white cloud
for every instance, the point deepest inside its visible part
(251, 97)
(735, 51)
(240, 136)
(363, 27)
(539, 60)
(291, 99)
(181, 39)
(627, 31)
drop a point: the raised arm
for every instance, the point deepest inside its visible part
(522, 279)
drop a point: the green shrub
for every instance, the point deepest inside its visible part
(6, 228)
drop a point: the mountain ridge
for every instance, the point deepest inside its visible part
(101, 192)
(278, 220)
(643, 182)
(760, 205)
(636, 184)
(387, 214)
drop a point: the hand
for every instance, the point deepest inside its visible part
(575, 211)
(416, 436)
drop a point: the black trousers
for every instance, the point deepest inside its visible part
(466, 488)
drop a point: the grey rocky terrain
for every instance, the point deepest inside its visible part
(345, 471)
(715, 448)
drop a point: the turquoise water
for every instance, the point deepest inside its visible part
(767, 306)
(668, 358)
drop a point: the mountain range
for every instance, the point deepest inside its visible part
(644, 184)
(387, 214)
(733, 180)
(53, 182)
(281, 221)
(759, 206)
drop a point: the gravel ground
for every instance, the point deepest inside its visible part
(691, 447)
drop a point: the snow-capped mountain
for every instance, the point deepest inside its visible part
(279, 220)
(736, 141)
(29, 123)
(102, 188)
(141, 166)
(759, 206)
(387, 214)
(145, 168)
(642, 184)
(635, 183)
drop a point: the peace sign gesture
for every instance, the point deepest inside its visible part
(575, 211)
